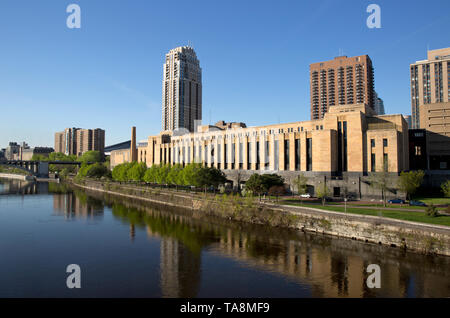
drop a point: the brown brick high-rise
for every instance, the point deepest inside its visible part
(342, 81)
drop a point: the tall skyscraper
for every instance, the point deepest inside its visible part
(342, 81)
(430, 90)
(182, 89)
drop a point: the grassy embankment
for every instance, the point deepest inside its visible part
(418, 216)
(5, 169)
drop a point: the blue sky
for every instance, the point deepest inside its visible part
(255, 57)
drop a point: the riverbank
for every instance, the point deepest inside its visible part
(422, 238)
(16, 176)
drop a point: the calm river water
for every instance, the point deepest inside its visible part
(127, 249)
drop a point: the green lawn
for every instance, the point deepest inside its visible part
(434, 200)
(400, 215)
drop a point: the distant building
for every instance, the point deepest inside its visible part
(12, 151)
(408, 119)
(342, 81)
(28, 153)
(429, 85)
(379, 105)
(182, 90)
(430, 103)
(76, 141)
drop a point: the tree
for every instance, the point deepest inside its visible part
(189, 174)
(150, 174)
(119, 172)
(256, 184)
(301, 184)
(409, 182)
(91, 156)
(210, 176)
(323, 192)
(175, 175)
(380, 180)
(96, 170)
(277, 190)
(162, 172)
(446, 188)
(136, 171)
(270, 180)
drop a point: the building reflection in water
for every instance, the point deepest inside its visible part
(330, 267)
(77, 206)
(22, 187)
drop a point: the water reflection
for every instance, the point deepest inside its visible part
(330, 267)
(77, 205)
(192, 245)
(22, 187)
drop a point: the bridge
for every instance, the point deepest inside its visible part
(36, 168)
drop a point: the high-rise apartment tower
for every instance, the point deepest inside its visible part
(342, 81)
(430, 90)
(182, 89)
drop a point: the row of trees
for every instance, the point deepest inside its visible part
(91, 156)
(193, 174)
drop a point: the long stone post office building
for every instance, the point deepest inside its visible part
(341, 149)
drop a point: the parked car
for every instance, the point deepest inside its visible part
(305, 195)
(417, 203)
(401, 201)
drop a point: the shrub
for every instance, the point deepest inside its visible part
(136, 171)
(446, 188)
(432, 211)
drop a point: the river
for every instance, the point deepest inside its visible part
(131, 249)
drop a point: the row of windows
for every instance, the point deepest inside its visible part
(372, 156)
(209, 155)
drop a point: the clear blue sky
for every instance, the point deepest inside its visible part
(255, 57)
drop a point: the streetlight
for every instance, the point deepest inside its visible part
(345, 204)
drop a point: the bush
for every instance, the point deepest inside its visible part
(432, 211)
(96, 170)
(446, 188)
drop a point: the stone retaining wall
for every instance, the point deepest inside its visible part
(423, 238)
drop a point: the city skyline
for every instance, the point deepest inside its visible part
(241, 81)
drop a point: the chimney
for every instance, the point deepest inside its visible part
(133, 150)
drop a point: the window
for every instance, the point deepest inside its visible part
(276, 154)
(372, 162)
(297, 154)
(385, 143)
(308, 154)
(418, 151)
(385, 162)
(286, 155)
(372, 143)
(257, 156)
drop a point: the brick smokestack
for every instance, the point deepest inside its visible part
(133, 149)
